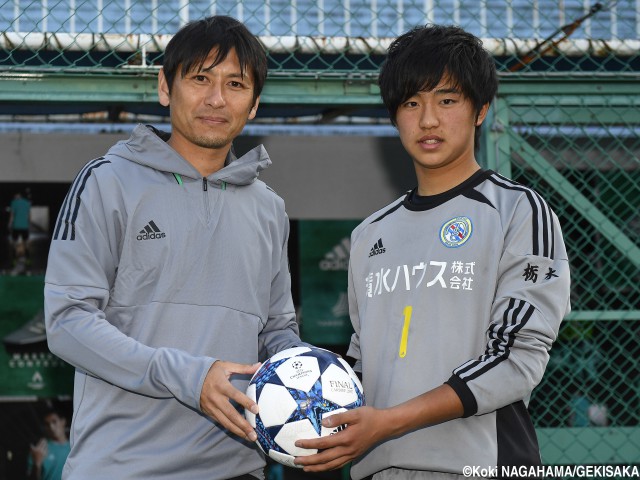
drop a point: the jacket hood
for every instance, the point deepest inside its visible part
(148, 146)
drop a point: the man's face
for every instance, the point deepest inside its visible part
(55, 426)
(209, 108)
(437, 127)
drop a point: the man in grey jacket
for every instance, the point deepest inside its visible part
(168, 277)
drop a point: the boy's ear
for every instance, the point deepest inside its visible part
(163, 89)
(482, 114)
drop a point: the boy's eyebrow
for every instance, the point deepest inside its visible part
(448, 90)
(445, 90)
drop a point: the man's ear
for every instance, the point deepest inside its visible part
(163, 89)
(254, 109)
(482, 114)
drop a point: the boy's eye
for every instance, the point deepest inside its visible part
(235, 84)
(199, 78)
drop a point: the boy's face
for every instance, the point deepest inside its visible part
(437, 128)
(209, 108)
(55, 426)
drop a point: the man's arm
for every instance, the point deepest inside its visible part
(82, 266)
(281, 329)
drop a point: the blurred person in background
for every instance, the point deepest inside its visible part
(19, 223)
(48, 455)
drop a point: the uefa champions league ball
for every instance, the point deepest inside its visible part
(295, 389)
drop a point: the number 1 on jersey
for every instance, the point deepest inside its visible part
(405, 331)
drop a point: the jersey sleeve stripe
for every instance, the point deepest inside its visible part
(547, 226)
(542, 221)
(63, 217)
(72, 202)
(501, 339)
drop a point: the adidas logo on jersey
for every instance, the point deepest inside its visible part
(150, 232)
(377, 249)
(338, 257)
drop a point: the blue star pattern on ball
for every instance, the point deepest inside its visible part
(266, 436)
(311, 405)
(267, 374)
(295, 390)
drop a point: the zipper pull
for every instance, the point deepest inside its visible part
(204, 184)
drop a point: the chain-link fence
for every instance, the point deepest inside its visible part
(566, 122)
(324, 35)
(575, 143)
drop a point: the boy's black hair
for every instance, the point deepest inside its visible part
(418, 59)
(51, 411)
(192, 44)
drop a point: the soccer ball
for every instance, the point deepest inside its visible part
(295, 389)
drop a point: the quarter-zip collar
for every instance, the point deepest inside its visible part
(147, 146)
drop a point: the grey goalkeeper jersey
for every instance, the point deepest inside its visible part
(467, 287)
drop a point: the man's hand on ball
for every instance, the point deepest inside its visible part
(365, 428)
(218, 392)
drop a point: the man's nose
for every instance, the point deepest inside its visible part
(215, 96)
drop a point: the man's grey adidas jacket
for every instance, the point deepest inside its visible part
(154, 273)
(469, 288)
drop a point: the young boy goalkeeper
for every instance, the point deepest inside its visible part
(455, 318)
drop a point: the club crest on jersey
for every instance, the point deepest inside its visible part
(455, 232)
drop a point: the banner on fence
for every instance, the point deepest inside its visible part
(324, 260)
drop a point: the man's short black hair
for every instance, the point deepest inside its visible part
(419, 59)
(192, 44)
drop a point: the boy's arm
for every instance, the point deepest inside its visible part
(368, 426)
(37, 454)
(531, 299)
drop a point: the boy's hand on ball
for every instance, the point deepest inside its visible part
(218, 392)
(364, 429)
